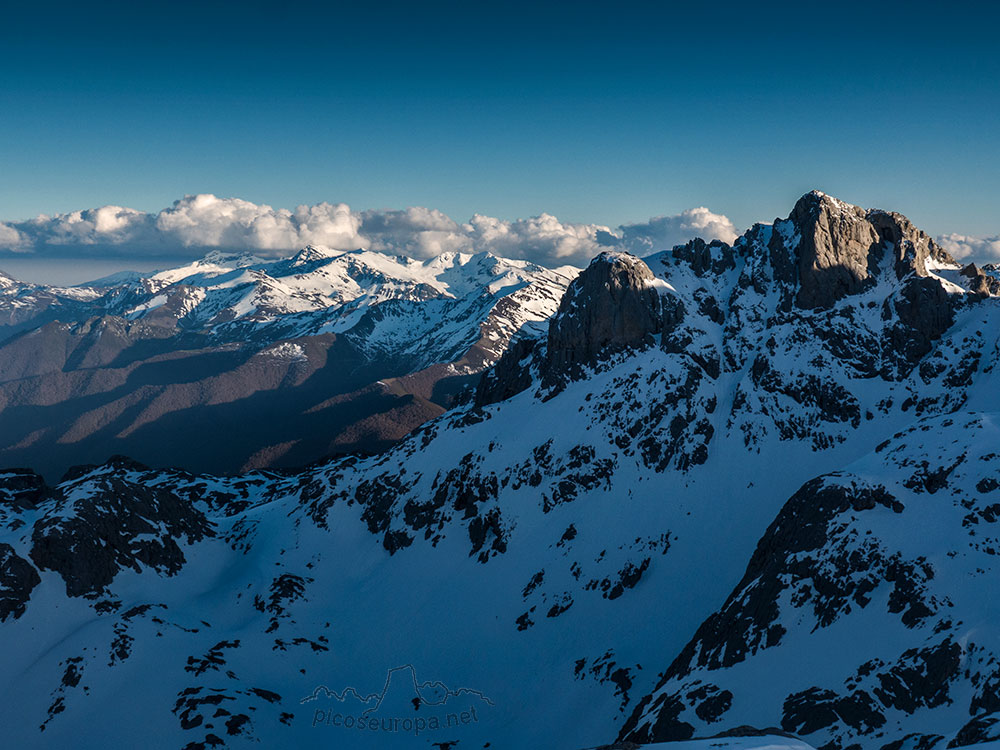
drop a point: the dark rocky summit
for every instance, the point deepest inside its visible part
(612, 306)
(824, 253)
(834, 252)
(842, 247)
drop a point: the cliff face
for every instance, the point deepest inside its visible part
(615, 304)
(836, 250)
(842, 248)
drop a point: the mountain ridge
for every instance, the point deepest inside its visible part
(201, 341)
(574, 530)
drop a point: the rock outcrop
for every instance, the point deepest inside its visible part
(117, 520)
(981, 282)
(924, 311)
(17, 579)
(841, 248)
(615, 304)
(911, 247)
(20, 489)
(835, 250)
(511, 375)
(706, 258)
(612, 306)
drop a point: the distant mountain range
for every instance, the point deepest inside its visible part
(737, 491)
(234, 362)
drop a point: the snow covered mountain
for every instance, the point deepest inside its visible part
(234, 362)
(818, 399)
(866, 614)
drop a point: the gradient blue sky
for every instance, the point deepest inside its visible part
(605, 113)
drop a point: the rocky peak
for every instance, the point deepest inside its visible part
(835, 249)
(912, 248)
(613, 305)
(979, 281)
(841, 247)
(313, 254)
(826, 250)
(706, 258)
(234, 259)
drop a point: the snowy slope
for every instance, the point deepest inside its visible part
(517, 571)
(866, 614)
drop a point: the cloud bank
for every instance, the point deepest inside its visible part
(962, 246)
(664, 232)
(198, 223)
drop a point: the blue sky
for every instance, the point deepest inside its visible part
(604, 113)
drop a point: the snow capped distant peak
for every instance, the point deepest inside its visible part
(115, 279)
(213, 264)
(232, 259)
(312, 253)
(6, 280)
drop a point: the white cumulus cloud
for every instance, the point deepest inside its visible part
(205, 221)
(663, 232)
(963, 246)
(542, 239)
(198, 223)
(13, 240)
(108, 225)
(416, 232)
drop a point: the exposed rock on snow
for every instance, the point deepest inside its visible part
(790, 508)
(877, 577)
(842, 247)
